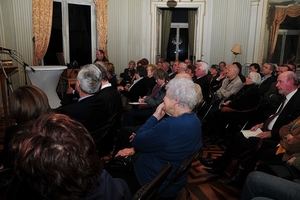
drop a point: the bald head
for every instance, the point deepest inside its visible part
(183, 75)
(232, 71)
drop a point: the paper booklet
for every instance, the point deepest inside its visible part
(249, 133)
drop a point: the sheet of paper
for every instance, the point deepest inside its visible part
(248, 133)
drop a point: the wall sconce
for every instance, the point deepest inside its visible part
(171, 3)
(237, 49)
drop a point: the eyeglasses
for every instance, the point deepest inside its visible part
(197, 69)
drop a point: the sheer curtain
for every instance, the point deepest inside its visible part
(101, 13)
(165, 31)
(42, 23)
(191, 21)
(279, 16)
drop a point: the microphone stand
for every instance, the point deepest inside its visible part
(17, 57)
(8, 83)
(4, 100)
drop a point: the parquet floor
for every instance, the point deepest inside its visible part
(205, 186)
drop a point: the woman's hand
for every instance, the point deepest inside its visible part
(125, 152)
(159, 112)
(131, 137)
(142, 100)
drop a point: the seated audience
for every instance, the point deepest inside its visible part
(174, 69)
(143, 62)
(254, 67)
(110, 72)
(57, 156)
(137, 89)
(201, 77)
(242, 77)
(287, 111)
(216, 80)
(181, 68)
(166, 66)
(165, 139)
(128, 74)
(142, 112)
(271, 98)
(289, 146)
(187, 61)
(236, 110)
(222, 66)
(27, 103)
(259, 185)
(230, 86)
(151, 82)
(95, 107)
(191, 70)
(268, 70)
(100, 56)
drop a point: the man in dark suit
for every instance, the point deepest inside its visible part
(268, 78)
(139, 87)
(201, 77)
(94, 108)
(287, 84)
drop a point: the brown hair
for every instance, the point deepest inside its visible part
(57, 156)
(27, 103)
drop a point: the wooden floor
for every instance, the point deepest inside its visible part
(201, 184)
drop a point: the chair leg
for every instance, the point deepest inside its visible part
(187, 191)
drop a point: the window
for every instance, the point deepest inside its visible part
(73, 32)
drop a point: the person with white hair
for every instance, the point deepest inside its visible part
(170, 135)
(236, 109)
(201, 72)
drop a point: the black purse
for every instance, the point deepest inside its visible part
(123, 163)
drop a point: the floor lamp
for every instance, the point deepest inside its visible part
(237, 49)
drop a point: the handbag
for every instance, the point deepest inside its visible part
(123, 163)
(236, 161)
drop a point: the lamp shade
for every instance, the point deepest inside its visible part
(237, 49)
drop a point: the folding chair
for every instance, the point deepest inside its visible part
(147, 191)
(181, 170)
(210, 101)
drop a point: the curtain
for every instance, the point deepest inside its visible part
(279, 16)
(191, 22)
(101, 13)
(165, 31)
(42, 23)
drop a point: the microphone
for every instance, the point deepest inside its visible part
(2, 48)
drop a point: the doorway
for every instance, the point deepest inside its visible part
(178, 42)
(156, 27)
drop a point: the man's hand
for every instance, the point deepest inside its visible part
(291, 160)
(70, 90)
(254, 128)
(265, 134)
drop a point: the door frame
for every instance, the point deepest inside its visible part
(156, 31)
